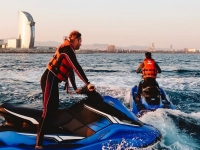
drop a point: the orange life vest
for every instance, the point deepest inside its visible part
(149, 70)
(59, 64)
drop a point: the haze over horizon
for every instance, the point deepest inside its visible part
(121, 23)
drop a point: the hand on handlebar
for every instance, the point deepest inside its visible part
(139, 71)
(91, 87)
(78, 91)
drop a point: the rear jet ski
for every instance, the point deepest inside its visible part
(95, 122)
(152, 98)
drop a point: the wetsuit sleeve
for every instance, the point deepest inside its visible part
(139, 89)
(70, 56)
(157, 67)
(72, 80)
(139, 69)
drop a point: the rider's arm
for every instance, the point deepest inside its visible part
(72, 80)
(138, 70)
(157, 67)
(70, 56)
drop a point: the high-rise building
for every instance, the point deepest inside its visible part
(151, 47)
(171, 48)
(26, 30)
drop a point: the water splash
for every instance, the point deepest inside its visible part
(175, 137)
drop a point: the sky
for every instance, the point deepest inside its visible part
(117, 22)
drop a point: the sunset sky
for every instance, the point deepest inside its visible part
(118, 22)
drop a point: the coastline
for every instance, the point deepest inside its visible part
(35, 51)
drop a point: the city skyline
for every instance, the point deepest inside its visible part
(111, 22)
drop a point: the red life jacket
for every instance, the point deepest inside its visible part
(149, 70)
(59, 64)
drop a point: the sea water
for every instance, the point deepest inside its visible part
(114, 74)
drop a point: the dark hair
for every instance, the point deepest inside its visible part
(148, 55)
(74, 35)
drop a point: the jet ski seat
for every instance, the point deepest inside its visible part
(152, 95)
(19, 110)
(58, 117)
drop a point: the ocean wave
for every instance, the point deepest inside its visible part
(182, 71)
(185, 71)
(176, 128)
(106, 71)
(187, 123)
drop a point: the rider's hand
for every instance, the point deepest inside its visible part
(137, 98)
(78, 91)
(91, 87)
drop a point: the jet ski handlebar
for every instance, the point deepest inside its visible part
(91, 93)
(87, 89)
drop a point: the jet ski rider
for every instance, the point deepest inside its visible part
(61, 67)
(149, 70)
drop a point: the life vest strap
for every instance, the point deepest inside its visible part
(149, 69)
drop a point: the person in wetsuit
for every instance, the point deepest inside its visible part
(149, 69)
(62, 66)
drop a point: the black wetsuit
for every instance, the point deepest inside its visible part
(145, 83)
(49, 85)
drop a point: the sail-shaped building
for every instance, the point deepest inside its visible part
(26, 30)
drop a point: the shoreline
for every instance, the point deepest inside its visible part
(35, 51)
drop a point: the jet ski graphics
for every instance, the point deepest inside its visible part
(151, 99)
(93, 123)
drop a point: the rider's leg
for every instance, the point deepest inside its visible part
(140, 89)
(49, 85)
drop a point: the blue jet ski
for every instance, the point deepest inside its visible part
(152, 98)
(95, 122)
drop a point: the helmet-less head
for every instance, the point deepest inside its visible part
(75, 39)
(148, 55)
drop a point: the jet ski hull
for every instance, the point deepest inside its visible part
(95, 122)
(140, 107)
(115, 135)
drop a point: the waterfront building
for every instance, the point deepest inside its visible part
(192, 50)
(111, 47)
(1, 42)
(26, 30)
(4, 45)
(13, 43)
